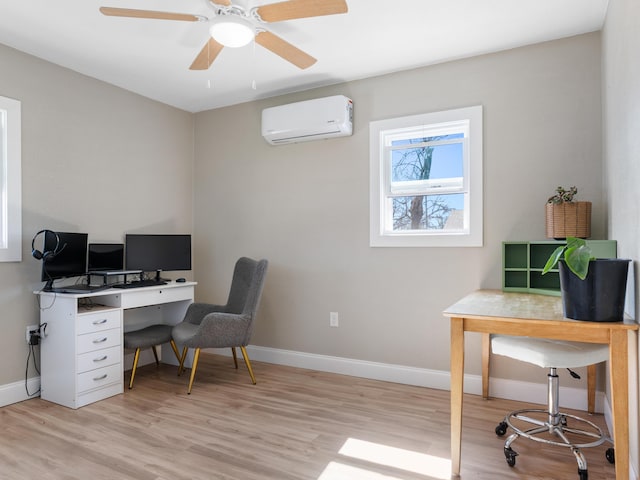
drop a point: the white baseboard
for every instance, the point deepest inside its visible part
(15, 392)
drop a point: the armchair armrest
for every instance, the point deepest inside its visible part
(197, 311)
(221, 330)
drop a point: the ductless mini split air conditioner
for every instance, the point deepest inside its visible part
(309, 120)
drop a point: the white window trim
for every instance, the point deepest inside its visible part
(473, 204)
(11, 182)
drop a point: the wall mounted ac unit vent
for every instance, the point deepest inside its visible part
(309, 120)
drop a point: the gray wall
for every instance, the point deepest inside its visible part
(305, 207)
(621, 94)
(88, 150)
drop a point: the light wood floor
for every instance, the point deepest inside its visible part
(294, 424)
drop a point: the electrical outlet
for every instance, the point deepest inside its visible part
(333, 319)
(31, 328)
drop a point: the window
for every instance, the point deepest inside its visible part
(10, 181)
(426, 180)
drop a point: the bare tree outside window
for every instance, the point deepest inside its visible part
(422, 212)
(419, 212)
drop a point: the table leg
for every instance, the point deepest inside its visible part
(591, 388)
(618, 371)
(457, 378)
(486, 353)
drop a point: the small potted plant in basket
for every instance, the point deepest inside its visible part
(566, 217)
(592, 288)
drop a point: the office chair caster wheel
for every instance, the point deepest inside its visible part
(510, 454)
(501, 429)
(583, 474)
(610, 454)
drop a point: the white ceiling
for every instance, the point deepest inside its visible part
(152, 57)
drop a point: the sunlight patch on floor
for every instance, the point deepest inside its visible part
(340, 471)
(431, 466)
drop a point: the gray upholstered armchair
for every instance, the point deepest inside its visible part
(222, 326)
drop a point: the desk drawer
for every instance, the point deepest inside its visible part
(99, 378)
(95, 322)
(154, 296)
(98, 359)
(90, 342)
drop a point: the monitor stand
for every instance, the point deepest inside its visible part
(159, 278)
(48, 287)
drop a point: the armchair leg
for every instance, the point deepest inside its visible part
(196, 357)
(155, 354)
(235, 357)
(182, 358)
(174, 347)
(133, 369)
(246, 360)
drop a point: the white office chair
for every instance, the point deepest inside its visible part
(555, 429)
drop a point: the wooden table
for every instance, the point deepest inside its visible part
(494, 311)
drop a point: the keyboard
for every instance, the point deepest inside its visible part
(139, 283)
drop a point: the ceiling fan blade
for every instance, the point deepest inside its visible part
(132, 13)
(207, 55)
(224, 3)
(285, 50)
(292, 9)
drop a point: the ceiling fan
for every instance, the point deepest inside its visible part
(234, 26)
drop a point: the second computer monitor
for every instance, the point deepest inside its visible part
(104, 257)
(154, 252)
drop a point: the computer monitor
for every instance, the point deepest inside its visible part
(106, 257)
(153, 252)
(71, 259)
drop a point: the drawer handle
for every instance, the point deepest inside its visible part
(100, 340)
(97, 379)
(102, 359)
(100, 322)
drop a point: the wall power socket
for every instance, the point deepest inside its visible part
(28, 334)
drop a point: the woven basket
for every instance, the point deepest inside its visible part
(569, 219)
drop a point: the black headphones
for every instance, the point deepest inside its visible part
(47, 255)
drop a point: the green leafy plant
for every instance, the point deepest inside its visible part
(562, 195)
(577, 255)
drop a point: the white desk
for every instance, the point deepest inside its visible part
(81, 353)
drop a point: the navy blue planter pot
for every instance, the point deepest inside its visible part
(600, 296)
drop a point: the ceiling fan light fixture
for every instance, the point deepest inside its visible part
(232, 32)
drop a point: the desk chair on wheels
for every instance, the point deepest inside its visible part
(551, 427)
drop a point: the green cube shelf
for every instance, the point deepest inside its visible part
(522, 264)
